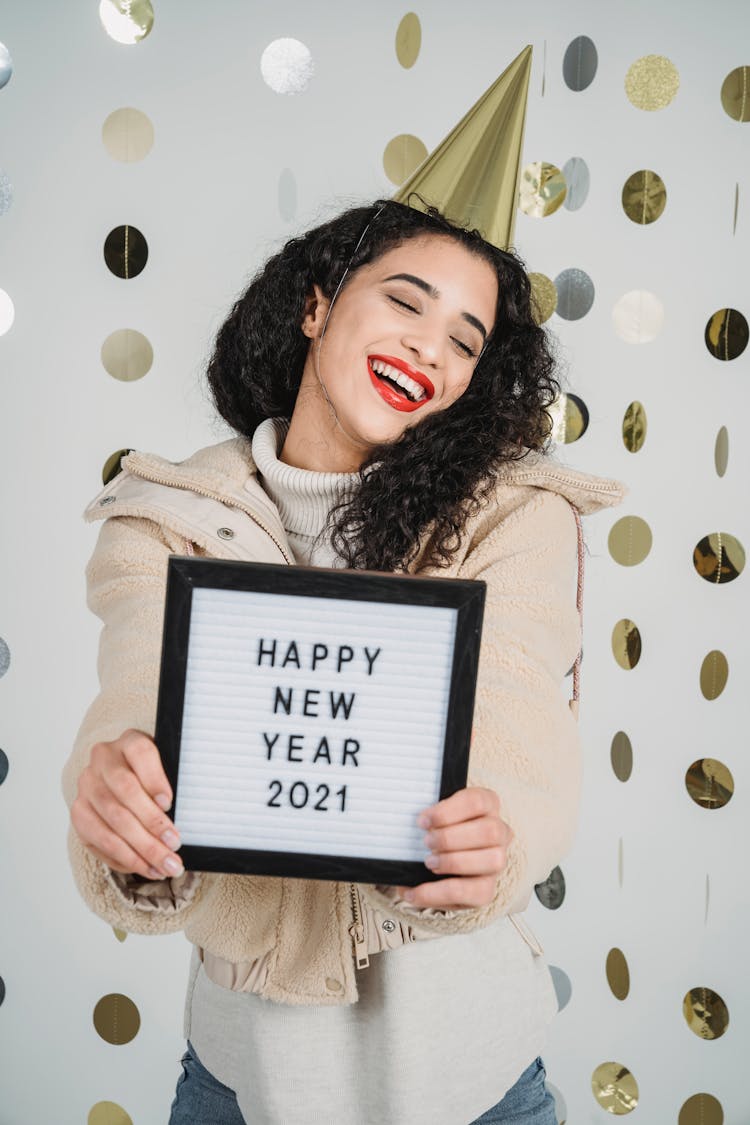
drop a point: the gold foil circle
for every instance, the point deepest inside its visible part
(403, 155)
(721, 451)
(719, 557)
(543, 297)
(408, 40)
(652, 82)
(621, 756)
(126, 21)
(735, 93)
(726, 334)
(127, 355)
(634, 427)
(570, 418)
(615, 1088)
(710, 783)
(701, 1109)
(542, 189)
(125, 251)
(630, 540)
(626, 643)
(714, 674)
(128, 135)
(638, 316)
(108, 1113)
(119, 934)
(116, 1018)
(705, 1013)
(551, 893)
(618, 974)
(644, 196)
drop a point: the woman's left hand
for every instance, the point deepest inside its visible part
(467, 841)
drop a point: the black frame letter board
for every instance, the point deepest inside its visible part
(307, 715)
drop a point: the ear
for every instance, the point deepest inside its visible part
(316, 310)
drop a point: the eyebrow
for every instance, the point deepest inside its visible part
(431, 291)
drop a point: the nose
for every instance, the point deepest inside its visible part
(427, 347)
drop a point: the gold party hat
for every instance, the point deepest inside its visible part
(472, 176)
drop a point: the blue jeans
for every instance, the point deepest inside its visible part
(202, 1100)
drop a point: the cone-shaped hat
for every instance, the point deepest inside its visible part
(472, 175)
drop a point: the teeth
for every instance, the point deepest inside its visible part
(413, 389)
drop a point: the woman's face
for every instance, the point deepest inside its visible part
(401, 342)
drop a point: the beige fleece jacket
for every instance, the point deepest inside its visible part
(523, 544)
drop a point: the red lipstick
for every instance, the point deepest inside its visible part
(396, 396)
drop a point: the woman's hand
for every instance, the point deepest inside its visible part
(119, 808)
(467, 839)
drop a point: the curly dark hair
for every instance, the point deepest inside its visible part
(438, 472)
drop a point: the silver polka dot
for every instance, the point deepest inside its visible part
(6, 193)
(580, 63)
(575, 294)
(4, 766)
(4, 657)
(576, 173)
(563, 987)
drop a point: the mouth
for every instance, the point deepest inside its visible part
(398, 383)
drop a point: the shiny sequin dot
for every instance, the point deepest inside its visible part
(618, 974)
(126, 21)
(403, 155)
(615, 1088)
(735, 93)
(626, 643)
(726, 334)
(579, 63)
(287, 66)
(575, 294)
(570, 418)
(116, 1018)
(6, 66)
(714, 674)
(634, 427)
(721, 451)
(621, 756)
(125, 251)
(701, 1109)
(127, 355)
(630, 540)
(108, 1113)
(652, 82)
(709, 783)
(644, 197)
(408, 40)
(541, 190)
(638, 316)
(719, 557)
(551, 893)
(543, 297)
(576, 174)
(705, 1013)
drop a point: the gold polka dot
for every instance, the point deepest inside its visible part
(116, 1018)
(126, 21)
(644, 197)
(570, 418)
(541, 190)
(615, 1088)
(112, 465)
(709, 783)
(127, 355)
(714, 674)
(735, 93)
(119, 934)
(630, 540)
(626, 643)
(727, 334)
(403, 155)
(621, 756)
(652, 82)
(408, 40)
(719, 557)
(701, 1109)
(128, 135)
(108, 1113)
(618, 974)
(721, 451)
(634, 427)
(705, 1013)
(543, 297)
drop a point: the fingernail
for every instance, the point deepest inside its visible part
(433, 862)
(154, 874)
(430, 839)
(173, 865)
(162, 801)
(423, 820)
(171, 839)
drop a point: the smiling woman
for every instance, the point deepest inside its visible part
(388, 385)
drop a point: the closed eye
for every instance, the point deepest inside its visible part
(403, 304)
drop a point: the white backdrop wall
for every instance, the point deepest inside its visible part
(653, 873)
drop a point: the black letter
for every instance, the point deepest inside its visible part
(309, 693)
(270, 745)
(285, 703)
(340, 701)
(350, 753)
(323, 650)
(295, 743)
(371, 659)
(292, 656)
(266, 652)
(344, 659)
(323, 751)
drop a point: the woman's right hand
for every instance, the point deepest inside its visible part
(119, 808)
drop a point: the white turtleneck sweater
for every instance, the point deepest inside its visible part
(442, 1028)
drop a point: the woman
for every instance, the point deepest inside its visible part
(389, 387)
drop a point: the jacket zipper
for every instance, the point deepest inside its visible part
(357, 930)
(212, 496)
